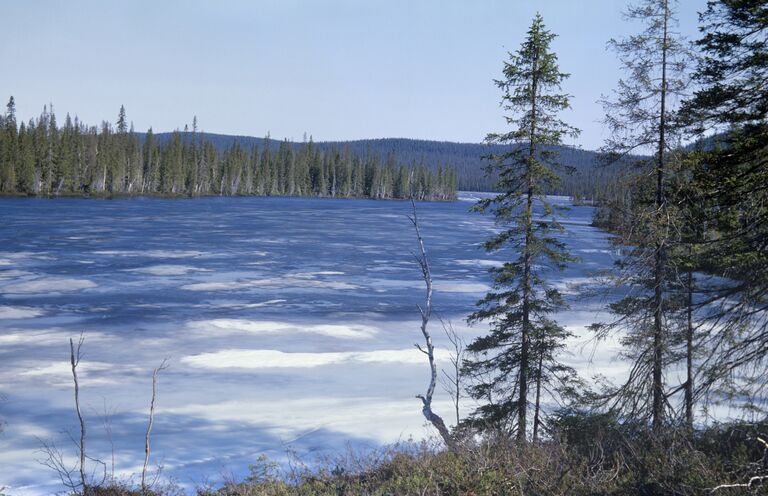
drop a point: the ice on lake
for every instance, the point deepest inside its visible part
(289, 324)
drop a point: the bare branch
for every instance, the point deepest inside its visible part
(155, 372)
(74, 358)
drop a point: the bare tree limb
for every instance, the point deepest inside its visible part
(452, 381)
(54, 459)
(74, 358)
(748, 484)
(155, 372)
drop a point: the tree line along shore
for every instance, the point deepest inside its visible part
(41, 158)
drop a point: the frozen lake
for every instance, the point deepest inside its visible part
(289, 324)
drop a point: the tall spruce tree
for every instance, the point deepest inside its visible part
(521, 349)
(641, 118)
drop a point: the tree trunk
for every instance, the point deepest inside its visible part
(527, 262)
(74, 357)
(537, 407)
(689, 353)
(660, 255)
(151, 422)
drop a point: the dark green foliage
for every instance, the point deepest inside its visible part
(40, 158)
(730, 179)
(521, 350)
(587, 455)
(734, 65)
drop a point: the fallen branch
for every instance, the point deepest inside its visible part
(748, 484)
(753, 480)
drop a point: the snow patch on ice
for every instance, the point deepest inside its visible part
(7, 312)
(479, 263)
(44, 338)
(461, 287)
(151, 253)
(572, 285)
(474, 196)
(305, 280)
(236, 326)
(394, 419)
(309, 275)
(241, 306)
(167, 270)
(8, 257)
(60, 373)
(13, 274)
(48, 285)
(262, 359)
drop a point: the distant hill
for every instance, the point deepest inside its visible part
(588, 179)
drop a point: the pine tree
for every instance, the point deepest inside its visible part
(521, 349)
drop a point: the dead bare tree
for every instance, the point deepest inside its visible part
(74, 478)
(74, 358)
(155, 372)
(426, 313)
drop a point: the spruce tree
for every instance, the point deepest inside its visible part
(641, 119)
(26, 179)
(9, 149)
(521, 349)
(729, 111)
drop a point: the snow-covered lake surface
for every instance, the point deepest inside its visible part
(289, 324)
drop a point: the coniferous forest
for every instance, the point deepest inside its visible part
(41, 157)
(588, 176)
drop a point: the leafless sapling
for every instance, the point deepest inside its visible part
(74, 358)
(163, 365)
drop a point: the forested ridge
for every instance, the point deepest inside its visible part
(39, 157)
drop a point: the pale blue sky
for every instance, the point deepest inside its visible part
(336, 69)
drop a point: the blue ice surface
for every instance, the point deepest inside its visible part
(288, 323)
